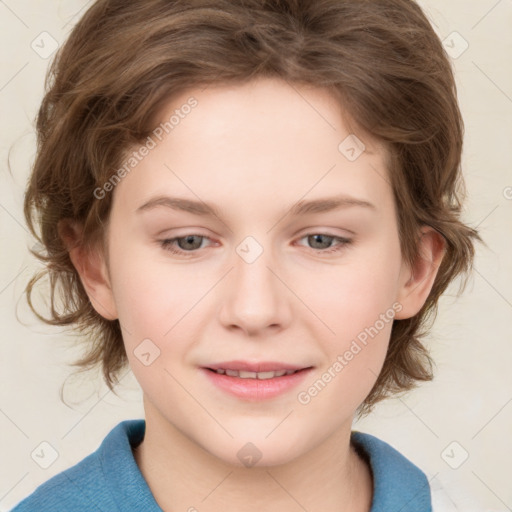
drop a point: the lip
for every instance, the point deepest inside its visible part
(261, 366)
(255, 390)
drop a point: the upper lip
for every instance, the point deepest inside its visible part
(258, 366)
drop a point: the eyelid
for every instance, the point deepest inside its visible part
(343, 242)
(330, 235)
(168, 243)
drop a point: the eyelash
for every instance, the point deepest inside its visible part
(168, 244)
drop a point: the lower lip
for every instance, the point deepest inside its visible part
(256, 389)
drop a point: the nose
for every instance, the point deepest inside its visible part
(254, 299)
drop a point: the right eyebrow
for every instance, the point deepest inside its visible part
(178, 203)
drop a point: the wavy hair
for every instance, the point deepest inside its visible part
(125, 58)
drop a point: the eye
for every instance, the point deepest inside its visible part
(322, 242)
(183, 244)
(189, 244)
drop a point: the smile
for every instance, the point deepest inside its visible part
(254, 375)
(255, 385)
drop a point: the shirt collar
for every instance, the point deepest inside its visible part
(127, 485)
(398, 485)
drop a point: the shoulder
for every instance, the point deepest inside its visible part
(89, 484)
(69, 490)
(397, 482)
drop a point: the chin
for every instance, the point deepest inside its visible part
(256, 451)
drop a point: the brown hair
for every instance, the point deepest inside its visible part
(124, 59)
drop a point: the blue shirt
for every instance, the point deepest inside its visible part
(109, 479)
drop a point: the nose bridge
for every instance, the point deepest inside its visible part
(252, 273)
(255, 298)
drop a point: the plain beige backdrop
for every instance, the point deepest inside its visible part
(458, 428)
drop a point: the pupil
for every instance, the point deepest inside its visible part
(319, 237)
(190, 240)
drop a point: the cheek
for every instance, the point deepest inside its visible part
(151, 295)
(357, 307)
(162, 303)
(353, 296)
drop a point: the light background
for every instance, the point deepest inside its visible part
(470, 400)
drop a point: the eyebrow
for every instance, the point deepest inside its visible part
(301, 208)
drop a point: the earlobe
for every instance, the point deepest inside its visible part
(416, 282)
(92, 269)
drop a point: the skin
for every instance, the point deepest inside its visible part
(254, 151)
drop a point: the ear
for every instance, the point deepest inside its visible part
(91, 266)
(416, 282)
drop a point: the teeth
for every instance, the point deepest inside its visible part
(254, 375)
(247, 375)
(265, 375)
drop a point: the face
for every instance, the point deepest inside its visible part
(249, 239)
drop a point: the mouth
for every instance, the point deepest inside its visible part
(243, 374)
(256, 370)
(255, 381)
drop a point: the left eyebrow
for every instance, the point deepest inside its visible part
(328, 204)
(301, 208)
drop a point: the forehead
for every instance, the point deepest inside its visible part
(266, 140)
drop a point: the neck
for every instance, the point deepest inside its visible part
(184, 476)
